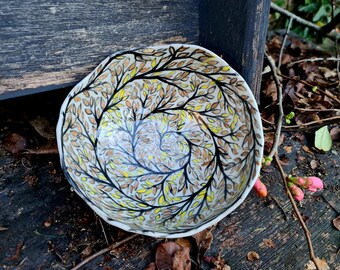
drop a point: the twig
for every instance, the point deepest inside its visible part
(298, 214)
(311, 85)
(103, 229)
(284, 41)
(49, 151)
(317, 110)
(306, 126)
(332, 35)
(279, 118)
(103, 251)
(314, 60)
(22, 262)
(335, 19)
(280, 206)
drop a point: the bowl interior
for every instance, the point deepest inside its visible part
(163, 141)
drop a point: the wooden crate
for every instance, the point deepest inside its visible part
(49, 45)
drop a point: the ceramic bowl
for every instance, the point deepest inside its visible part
(163, 141)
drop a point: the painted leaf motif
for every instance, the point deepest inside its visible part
(159, 138)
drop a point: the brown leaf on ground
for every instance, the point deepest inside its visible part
(301, 158)
(14, 143)
(336, 223)
(18, 249)
(322, 265)
(165, 253)
(268, 243)
(307, 150)
(181, 259)
(269, 138)
(271, 91)
(284, 160)
(286, 58)
(43, 127)
(183, 242)
(31, 180)
(86, 251)
(203, 242)
(218, 261)
(328, 73)
(252, 256)
(288, 149)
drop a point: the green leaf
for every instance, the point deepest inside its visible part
(323, 11)
(323, 140)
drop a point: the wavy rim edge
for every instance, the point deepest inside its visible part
(237, 203)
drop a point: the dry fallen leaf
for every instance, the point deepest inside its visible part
(307, 150)
(322, 265)
(165, 253)
(252, 256)
(268, 243)
(268, 138)
(284, 160)
(18, 249)
(336, 223)
(328, 73)
(183, 242)
(181, 259)
(31, 180)
(203, 242)
(288, 149)
(14, 143)
(218, 261)
(43, 127)
(86, 251)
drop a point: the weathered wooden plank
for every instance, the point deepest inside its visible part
(236, 30)
(47, 45)
(25, 206)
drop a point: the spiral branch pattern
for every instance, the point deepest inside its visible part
(163, 139)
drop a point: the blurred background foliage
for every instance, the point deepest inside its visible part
(319, 12)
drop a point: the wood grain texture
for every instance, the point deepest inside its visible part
(47, 45)
(24, 209)
(236, 30)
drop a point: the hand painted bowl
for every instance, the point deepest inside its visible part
(163, 141)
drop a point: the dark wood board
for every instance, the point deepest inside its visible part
(236, 30)
(55, 225)
(48, 45)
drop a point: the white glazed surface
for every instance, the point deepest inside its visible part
(164, 141)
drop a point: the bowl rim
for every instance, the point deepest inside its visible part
(85, 82)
